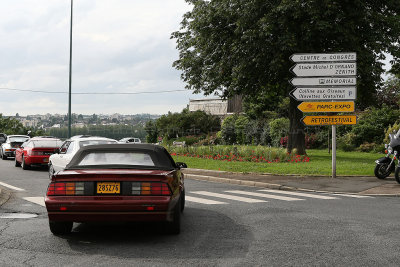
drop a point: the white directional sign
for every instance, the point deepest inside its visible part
(324, 81)
(333, 93)
(329, 57)
(325, 69)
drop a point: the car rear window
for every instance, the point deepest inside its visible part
(18, 139)
(47, 143)
(117, 158)
(95, 142)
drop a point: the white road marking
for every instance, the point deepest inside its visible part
(264, 195)
(297, 194)
(203, 201)
(36, 200)
(243, 199)
(355, 196)
(11, 187)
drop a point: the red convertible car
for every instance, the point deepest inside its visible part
(36, 151)
(117, 182)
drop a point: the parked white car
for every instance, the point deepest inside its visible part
(59, 161)
(12, 142)
(132, 140)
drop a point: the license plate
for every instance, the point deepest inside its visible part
(45, 160)
(108, 188)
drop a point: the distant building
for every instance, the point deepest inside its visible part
(78, 125)
(217, 106)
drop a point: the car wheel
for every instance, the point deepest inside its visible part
(182, 200)
(3, 157)
(380, 171)
(60, 228)
(51, 170)
(17, 164)
(24, 165)
(174, 227)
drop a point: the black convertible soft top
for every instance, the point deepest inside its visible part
(160, 156)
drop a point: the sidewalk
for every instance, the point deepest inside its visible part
(354, 185)
(4, 196)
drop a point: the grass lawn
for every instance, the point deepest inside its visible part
(347, 163)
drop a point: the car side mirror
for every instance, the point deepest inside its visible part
(181, 165)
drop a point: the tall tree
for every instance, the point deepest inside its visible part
(229, 47)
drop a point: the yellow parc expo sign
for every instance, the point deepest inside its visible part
(347, 106)
(329, 120)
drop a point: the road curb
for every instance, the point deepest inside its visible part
(267, 173)
(4, 196)
(273, 186)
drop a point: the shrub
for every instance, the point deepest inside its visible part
(278, 128)
(346, 142)
(366, 147)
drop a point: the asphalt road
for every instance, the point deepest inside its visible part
(218, 228)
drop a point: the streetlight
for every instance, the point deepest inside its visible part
(70, 74)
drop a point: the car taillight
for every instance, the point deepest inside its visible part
(66, 189)
(150, 188)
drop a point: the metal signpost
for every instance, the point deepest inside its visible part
(328, 78)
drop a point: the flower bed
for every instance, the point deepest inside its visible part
(238, 153)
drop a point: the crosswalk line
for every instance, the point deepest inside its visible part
(36, 200)
(297, 194)
(264, 195)
(203, 200)
(243, 199)
(355, 196)
(12, 187)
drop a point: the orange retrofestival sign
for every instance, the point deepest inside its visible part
(329, 120)
(347, 106)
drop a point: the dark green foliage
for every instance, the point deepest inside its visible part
(234, 47)
(175, 125)
(152, 132)
(389, 93)
(372, 125)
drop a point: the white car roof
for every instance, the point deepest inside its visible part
(86, 138)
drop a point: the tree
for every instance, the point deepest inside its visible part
(229, 47)
(152, 132)
(389, 93)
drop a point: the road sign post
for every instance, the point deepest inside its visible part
(329, 78)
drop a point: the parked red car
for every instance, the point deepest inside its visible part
(36, 152)
(117, 182)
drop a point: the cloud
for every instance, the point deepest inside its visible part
(118, 46)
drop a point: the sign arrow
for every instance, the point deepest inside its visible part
(324, 81)
(326, 106)
(322, 57)
(325, 69)
(329, 120)
(324, 93)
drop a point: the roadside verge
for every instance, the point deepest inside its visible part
(342, 185)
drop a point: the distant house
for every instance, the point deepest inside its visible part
(217, 106)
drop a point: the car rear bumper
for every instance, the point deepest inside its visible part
(9, 153)
(37, 160)
(95, 208)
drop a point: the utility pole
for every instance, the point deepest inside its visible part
(70, 75)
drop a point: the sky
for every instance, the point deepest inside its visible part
(118, 46)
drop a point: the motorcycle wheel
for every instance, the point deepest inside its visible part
(397, 175)
(380, 171)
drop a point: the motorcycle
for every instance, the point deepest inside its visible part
(386, 165)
